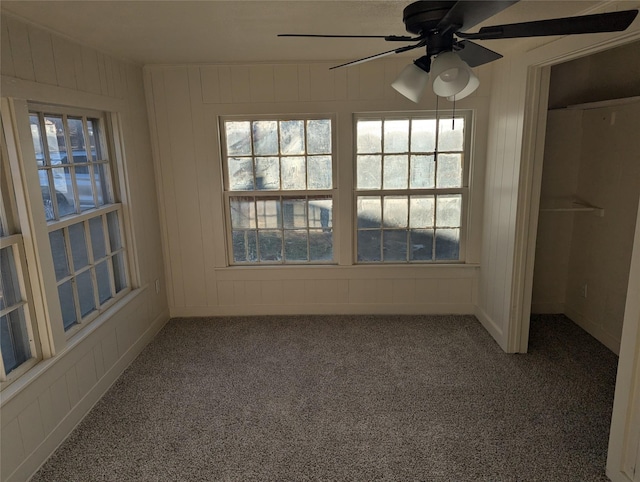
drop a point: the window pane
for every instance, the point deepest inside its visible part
(10, 294)
(423, 135)
(396, 136)
(423, 171)
(369, 245)
(65, 292)
(36, 135)
(267, 173)
(63, 184)
(449, 170)
(55, 139)
(395, 245)
(270, 245)
(76, 136)
(104, 284)
(421, 245)
(396, 212)
(422, 211)
(294, 213)
(244, 246)
(46, 196)
(293, 173)
(369, 212)
(295, 245)
(85, 189)
(319, 172)
(268, 213)
(59, 252)
(243, 214)
(448, 211)
(78, 243)
(85, 293)
(292, 137)
(369, 136)
(265, 138)
(447, 244)
(101, 178)
(238, 135)
(319, 136)
(14, 338)
(119, 273)
(451, 135)
(321, 213)
(114, 231)
(320, 245)
(94, 140)
(98, 244)
(240, 174)
(369, 172)
(396, 172)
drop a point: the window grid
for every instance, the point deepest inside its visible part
(265, 237)
(380, 233)
(88, 287)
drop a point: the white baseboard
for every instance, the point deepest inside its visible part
(326, 309)
(59, 434)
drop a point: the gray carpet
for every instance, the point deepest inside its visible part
(349, 398)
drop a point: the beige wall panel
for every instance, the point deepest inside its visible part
(404, 291)
(60, 403)
(98, 360)
(6, 56)
(86, 372)
(12, 448)
(63, 51)
(210, 84)
(372, 80)
(185, 177)
(225, 292)
(72, 386)
(91, 71)
(240, 84)
(353, 83)
(31, 426)
(294, 289)
(286, 83)
(175, 282)
(426, 290)
(78, 66)
(392, 69)
(20, 48)
(109, 350)
(102, 73)
(226, 83)
(322, 82)
(273, 293)
(304, 82)
(47, 414)
(261, 78)
(109, 69)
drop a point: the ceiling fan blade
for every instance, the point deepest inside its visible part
(467, 14)
(474, 54)
(388, 38)
(600, 22)
(381, 54)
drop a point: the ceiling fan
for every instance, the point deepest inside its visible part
(441, 27)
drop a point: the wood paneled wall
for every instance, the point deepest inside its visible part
(185, 103)
(40, 409)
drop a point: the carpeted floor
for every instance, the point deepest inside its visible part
(360, 398)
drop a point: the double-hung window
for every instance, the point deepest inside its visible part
(18, 340)
(79, 195)
(279, 184)
(412, 175)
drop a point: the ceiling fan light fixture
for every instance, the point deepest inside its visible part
(451, 75)
(413, 79)
(471, 87)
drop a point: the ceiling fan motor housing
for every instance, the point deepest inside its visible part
(423, 16)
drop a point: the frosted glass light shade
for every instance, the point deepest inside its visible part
(471, 87)
(450, 74)
(411, 82)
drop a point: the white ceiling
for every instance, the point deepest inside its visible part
(170, 32)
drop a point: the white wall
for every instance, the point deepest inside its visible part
(40, 409)
(184, 104)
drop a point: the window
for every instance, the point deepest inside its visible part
(84, 220)
(17, 339)
(411, 188)
(279, 185)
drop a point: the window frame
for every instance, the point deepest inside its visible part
(464, 190)
(281, 194)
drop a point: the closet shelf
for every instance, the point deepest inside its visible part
(571, 206)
